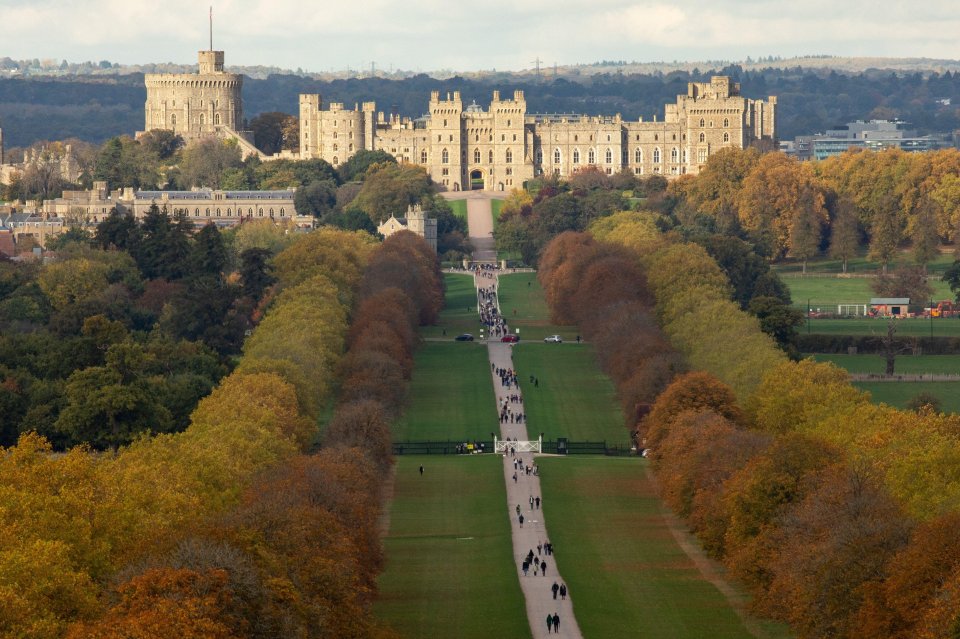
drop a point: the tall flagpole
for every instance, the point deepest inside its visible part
(211, 27)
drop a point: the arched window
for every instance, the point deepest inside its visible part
(656, 155)
(576, 156)
(271, 212)
(591, 157)
(509, 156)
(260, 212)
(229, 212)
(208, 213)
(336, 147)
(423, 157)
(216, 118)
(702, 137)
(196, 212)
(173, 120)
(218, 212)
(476, 156)
(726, 137)
(674, 154)
(638, 156)
(201, 119)
(336, 160)
(726, 122)
(556, 156)
(250, 212)
(702, 122)
(444, 157)
(281, 213)
(608, 156)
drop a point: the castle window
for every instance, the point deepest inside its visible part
(576, 137)
(656, 137)
(726, 122)
(711, 124)
(538, 156)
(207, 212)
(351, 148)
(503, 137)
(444, 157)
(423, 157)
(514, 137)
(509, 171)
(476, 156)
(229, 212)
(335, 147)
(702, 122)
(476, 138)
(608, 156)
(201, 120)
(444, 123)
(250, 212)
(335, 123)
(702, 156)
(556, 156)
(218, 212)
(576, 156)
(510, 156)
(173, 120)
(445, 171)
(271, 212)
(282, 213)
(638, 170)
(656, 156)
(260, 212)
(336, 160)
(216, 118)
(726, 137)
(196, 212)
(608, 138)
(508, 122)
(702, 137)
(490, 157)
(683, 156)
(439, 138)
(451, 138)
(591, 157)
(674, 155)
(638, 156)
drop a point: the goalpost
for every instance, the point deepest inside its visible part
(856, 310)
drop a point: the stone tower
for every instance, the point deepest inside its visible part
(419, 223)
(195, 105)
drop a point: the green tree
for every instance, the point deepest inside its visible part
(952, 277)
(208, 255)
(356, 167)
(205, 161)
(390, 188)
(779, 321)
(268, 130)
(164, 143)
(255, 271)
(317, 198)
(844, 232)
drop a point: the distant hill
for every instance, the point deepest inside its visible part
(96, 107)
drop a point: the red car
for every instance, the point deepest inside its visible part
(510, 338)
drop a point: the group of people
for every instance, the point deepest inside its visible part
(468, 448)
(553, 621)
(523, 469)
(508, 376)
(539, 565)
(561, 589)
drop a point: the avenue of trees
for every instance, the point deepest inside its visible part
(838, 515)
(233, 527)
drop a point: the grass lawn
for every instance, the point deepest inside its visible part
(899, 393)
(450, 570)
(574, 399)
(495, 206)
(827, 292)
(459, 208)
(451, 395)
(521, 292)
(861, 264)
(626, 573)
(914, 327)
(459, 314)
(938, 364)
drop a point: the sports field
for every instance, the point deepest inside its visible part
(524, 307)
(826, 292)
(451, 395)
(626, 573)
(907, 364)
(450, 569)
(862, 264)
(912, 327)
(899, 393)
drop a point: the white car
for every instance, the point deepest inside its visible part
(553, 339)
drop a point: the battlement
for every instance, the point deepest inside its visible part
(210, 62)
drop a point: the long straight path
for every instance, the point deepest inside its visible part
(522, 489)
(479, 223)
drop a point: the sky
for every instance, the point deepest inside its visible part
(471, 35)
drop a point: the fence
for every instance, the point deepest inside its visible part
(557, 447)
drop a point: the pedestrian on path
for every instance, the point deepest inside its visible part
(539, 547)
(421, 471)
(521, 521)
(514, 477)
(543, 568)
(563, 591)
(518, 510)
(556, 623)
(538, 502)
(555, 588)
(549, 623)
(525, 567)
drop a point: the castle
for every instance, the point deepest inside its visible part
(415, 221)
(466, 148)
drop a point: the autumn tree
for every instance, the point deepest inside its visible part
(844, 233)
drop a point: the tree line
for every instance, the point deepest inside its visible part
(838, 515)
(230, 528)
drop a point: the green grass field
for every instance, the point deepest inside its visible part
(627, 575)
(459, 314)
(450, 569)
(495, 206)
(862, 264)
(524, 306)
(912, 327)
(908, 364)
(574, 399)
(459, 208)
(451, 395)
(899, 393)
(827, 292)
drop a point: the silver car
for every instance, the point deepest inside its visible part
(553, 339)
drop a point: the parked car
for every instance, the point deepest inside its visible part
(510, 338)
(553, 339)
(466, 337)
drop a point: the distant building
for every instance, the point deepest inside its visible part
(57, 157)
(889, 306)
(415, 221)
(875, 135)
(465, 147)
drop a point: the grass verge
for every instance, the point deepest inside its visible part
(906, 364)
(574, 398)
(899, 393)
(627, 575)
(450, 570)
(524, 306)
(913, 327)
(451, 395)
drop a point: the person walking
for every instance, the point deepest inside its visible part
(556, 623)
(421, 471)
(563, 592)
(543, 567)
(538, 502)
(518, 510)
(549, 622)
(521, 521)
(525, 567)
(555, 588)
